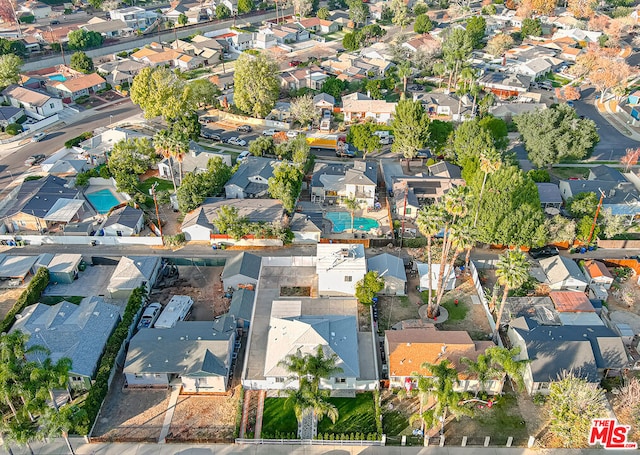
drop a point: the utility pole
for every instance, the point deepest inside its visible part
(404, 212)
(155, 201)
(595, 218)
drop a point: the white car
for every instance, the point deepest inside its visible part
(38, 137)
(292, 133)
(269, 132)
(237, 141)
(150, 315)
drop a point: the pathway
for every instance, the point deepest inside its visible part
(307, 428)
(173, 400)
(245, 412)
(261, 396)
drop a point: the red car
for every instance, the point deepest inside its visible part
(294, 62)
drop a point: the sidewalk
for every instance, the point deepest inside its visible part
(616, 120)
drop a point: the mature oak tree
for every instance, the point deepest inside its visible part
(256, 84)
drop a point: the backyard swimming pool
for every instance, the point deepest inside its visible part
(102, 200)
(342, 221)
(57, 77)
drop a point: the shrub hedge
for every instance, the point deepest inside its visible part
(100, 387)
(28, 297)
(13, 128)
(78, 139)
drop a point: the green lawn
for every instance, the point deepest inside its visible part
(163, 185)
(278, 416)
(196, 73)
(53, 299)
(356, 415)
(557, 80)
(456, 312)
(564, 173)
(394, 423)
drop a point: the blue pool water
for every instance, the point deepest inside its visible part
(342, 221)
(102, 200)
(57, 77)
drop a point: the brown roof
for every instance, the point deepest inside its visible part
(597, 269)
(163, 56)
(25, 95)
(410, 348)
(571, 50)
(144, 52)
(81, 82)
(571, 302)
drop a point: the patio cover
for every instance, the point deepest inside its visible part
(16, 266)
(64, 210)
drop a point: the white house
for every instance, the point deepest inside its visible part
(135, 17)
(339, 268)
(563, 274)
(33, 101)
(241, 270)
(391, 269)
(449, 276)
(597, 274)
(131, 273)
(251, 180)
(378, 110)
(198, 353)
(124, 222)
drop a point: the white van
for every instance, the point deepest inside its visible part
(178, 309)
(382, 134)
(243, 156)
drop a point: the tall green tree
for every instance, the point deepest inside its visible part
(439, 133)
(172, 146)
(400, 13)
(323, 13)
(410, 128)
(404, 72)
(512, 271)
(262, 145)
(196, 187)
(490, 162)
(422, 24)
(256, 86)
(9, 70)
(476, 28)
(334, 87)
(430, 222)
(555, 134)
(358, 12)
(469, 140)
(508, 363)
(81, 39)
(303, 110)
(245, 6)
(362, 137)
(583, 204)
(531, 27)
(129, 159)
(367, 288)
(81, 62)
(285, 185)
(222, 11)
(12, 47)
(456, 49)
(203, 93)
(482, 370)
(352, 205)
(160, 92)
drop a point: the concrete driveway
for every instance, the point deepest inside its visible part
(92, 281)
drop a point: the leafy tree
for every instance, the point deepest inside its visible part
(512, 271)
(256, 86)
(498, 129)
(12, 47)
(573, 402)
(228, 221)
(490, 162)
(302, 7)
(333, 86)
(612, 225)
(400, 13)
(539, 175)
(203, 93)
(358, 12)
(469, 139)
(531, 27)
(456, 49)
(129, 159)
(583, 229)
(296, 150)
(351, 41)
(9, 70)
(59, 422)
(323, 13)
(482, 370)
(262, 145)
(196, 187)
(81, 62)
(422, 24)
(222, 11)
(81, 39)
(186, 127)
(245, 6)
(285, 185)
(506, 361)
(554, 134)
(439, 133)
(368, 287)
(476, 27)
(499, 44)
(410, 127)
(183, 19)
(362, 137)
(303, 110)
(373, 88)
(160, 92)
(560, 229)
(583, 204)
(419, 9)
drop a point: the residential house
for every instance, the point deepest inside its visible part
(339, 268)
(423, 43)
(10, 114)
(582, 37)
(124, 222)
(379, 111)
(288, 33)
(208, 49)
(241, 271)
(32, 101)
(570, 54)
(251, 179)
(198, 224)
(306, 227)
(197, 353)
(72, 89)
(319, 26)
(302, 78)
(591, 352)
(334, 182)
(324, 103)
(505, 85)
(121, 70)
(563, 274)
(78, 332)
(195, 161)
(536, 68)
(40, 205)
(441, 106)
(407, 349)
(135, 17)
(379, 50)
(14, 270)
(241, 307)
(574, 308)
(597, 274)
(235, 40)
(96, 148)
(63, 268)
(131, 273)
(38, 10)
(391, 269)
(32, 45)
(550, 197)
(430, 280)
(108, 29)
(506, 112)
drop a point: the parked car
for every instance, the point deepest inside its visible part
(34, 159)
(270, 132)
(243, 156)
(543, 252)
(237, 141)
(210, 135)
(38, 137)
(244, 129)
(150, 315)
(386, 140)
(424, 153)
(292, 133)
(294, 62)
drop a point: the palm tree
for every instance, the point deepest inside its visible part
(351, 204)
(482, 369)
(163, 143)
(52, 375)
(320, 366)
(296, 364)
(512, 271)
(429, 222)
(404, 72)
(505, 360)
(58, 422)
(22, 430)
(490, 162)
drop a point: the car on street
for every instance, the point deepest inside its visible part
(292, 133)
(294, 62)
(210, 135)
(38, 137)
(270, 132)
(543, 252)
(244, 129)
(34, 159)
(237, 141)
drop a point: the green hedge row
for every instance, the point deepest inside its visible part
(100, 387)
(28, 297)
(78, 139)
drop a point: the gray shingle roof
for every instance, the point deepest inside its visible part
(606, 173)
(558, 268)
(6, 112)
(549, 193)
(242, 304)
(36, 197)
(252, 166)
(78, 332)
(125, 216)
(387, 265)
(245, 264)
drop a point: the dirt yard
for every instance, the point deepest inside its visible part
(131, 414)
(7, 298)
(205, 418)
(203, 285)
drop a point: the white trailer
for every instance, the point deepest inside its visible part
(178, 309)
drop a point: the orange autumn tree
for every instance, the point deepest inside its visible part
(580, 8)
(630, 158)
(609, 73)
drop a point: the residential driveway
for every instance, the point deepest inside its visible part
(93, 281)
(626, 317)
